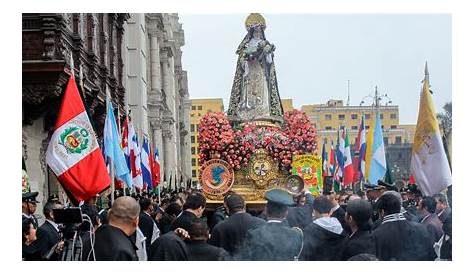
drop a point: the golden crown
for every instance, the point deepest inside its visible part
(254, 19)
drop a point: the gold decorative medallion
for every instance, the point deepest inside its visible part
(262, 168)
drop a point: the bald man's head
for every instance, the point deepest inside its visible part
(124, 210)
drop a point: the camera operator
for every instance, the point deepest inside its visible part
(112, 241)
(49, 237)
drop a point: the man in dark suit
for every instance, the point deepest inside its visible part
(442, 208)
(275, 240)
(48, 234)
(112, 240)
(301, 215)
(230, 233)
(399, 239)
(324, 239)
(361, 240)
(170, 247)
(146, 223)
(193, 209)
(430, 219)
(199, 249)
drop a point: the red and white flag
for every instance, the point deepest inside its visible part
(73, 153)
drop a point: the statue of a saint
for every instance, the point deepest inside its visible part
(254, 93)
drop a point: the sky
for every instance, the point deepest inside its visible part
(316, 55)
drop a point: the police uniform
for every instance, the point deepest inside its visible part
(275, 240)
(30, 197)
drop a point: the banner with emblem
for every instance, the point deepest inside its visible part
(73, 153)
(308, 167)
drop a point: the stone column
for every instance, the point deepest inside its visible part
(186, 145)
(170, 123)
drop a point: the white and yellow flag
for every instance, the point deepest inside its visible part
(429, 164)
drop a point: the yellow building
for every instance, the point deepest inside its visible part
(199, 107)
(335, 115)
(287, 104)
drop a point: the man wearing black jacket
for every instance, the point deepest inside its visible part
(112, 240)
(48, 233)
(361, 240)
(399, 239)
(146, 223)
(230, 233)
(192, 209)
(199, 249)
(324, 239)
(301, 215)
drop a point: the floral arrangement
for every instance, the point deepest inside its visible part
(217, 139)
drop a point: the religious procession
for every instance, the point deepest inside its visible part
(258, 182)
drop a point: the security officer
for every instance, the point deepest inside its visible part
(275, 240)
(28, 207)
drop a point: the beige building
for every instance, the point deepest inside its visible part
(287, 104)
(199, 107)
(335, 115)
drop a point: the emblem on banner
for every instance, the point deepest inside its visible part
(74, 139)
(217, 177)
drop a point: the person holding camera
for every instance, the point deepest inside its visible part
(112, 240)
(49, 241)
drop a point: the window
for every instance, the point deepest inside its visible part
(393, 127)
(199, 107)
(193, 107)
(193, 150)
(354, 116)
(209, 110)
(342, 116)
(193, 161)
(398, 140)
(367, 116)
(354, 127)
(393, 116)
(194, 173)
(367, 127)
(193, 139)
(342, 127)
(192, 127)
(192, 114)
(385, 140)
(199, 114)
(381, 116)
(382, 126)
(328, 128)
(328, 116)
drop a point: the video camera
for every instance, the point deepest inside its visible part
(69, 219)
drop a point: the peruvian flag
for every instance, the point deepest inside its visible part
(156, 169)
(73, 153)
(348, 170)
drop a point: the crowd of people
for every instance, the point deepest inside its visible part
(379, 223)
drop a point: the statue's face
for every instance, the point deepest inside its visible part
(257, 33)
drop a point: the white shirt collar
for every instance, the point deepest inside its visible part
(336, 207)
(274, 221)
(55, 225)
(26, 215)
(441, 212)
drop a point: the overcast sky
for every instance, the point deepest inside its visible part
(317, 53)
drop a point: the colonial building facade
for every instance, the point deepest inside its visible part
(136, 58)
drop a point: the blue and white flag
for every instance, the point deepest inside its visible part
(145, 163)
(378, 164)
(112, 148)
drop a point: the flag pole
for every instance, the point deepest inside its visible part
(112, 171)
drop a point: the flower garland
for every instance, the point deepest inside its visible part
(217, 139)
